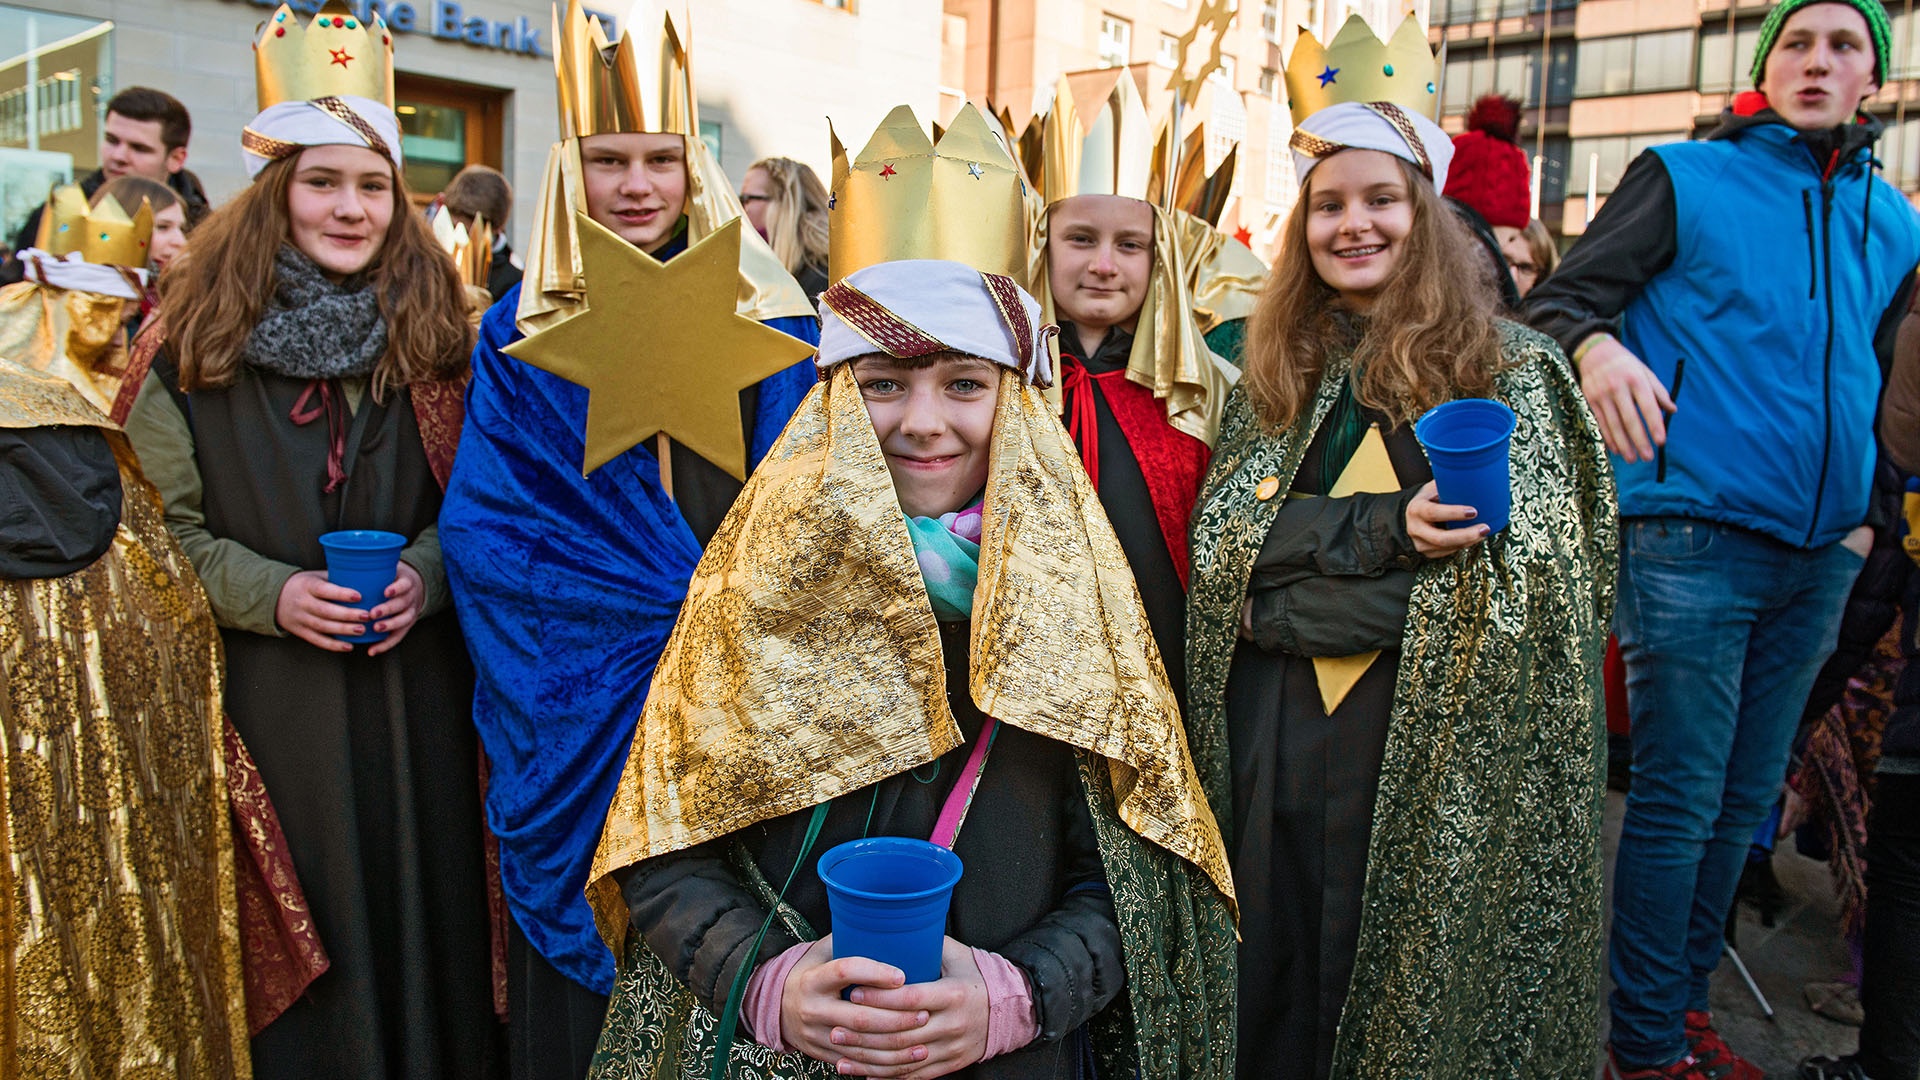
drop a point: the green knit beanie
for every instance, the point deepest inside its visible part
(1877, 25)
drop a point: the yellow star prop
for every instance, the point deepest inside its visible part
(661, 348)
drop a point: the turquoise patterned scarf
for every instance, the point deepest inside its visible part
(948, 549)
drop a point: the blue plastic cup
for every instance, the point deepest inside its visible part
(1467, 443)
(889, 897)
(366, 561)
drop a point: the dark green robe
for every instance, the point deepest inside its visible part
(1480, 918)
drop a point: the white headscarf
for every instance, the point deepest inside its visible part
(1383, 126)
(285, 129)
(73, 272)
(916, 307)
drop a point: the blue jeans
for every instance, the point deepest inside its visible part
(1723, 631)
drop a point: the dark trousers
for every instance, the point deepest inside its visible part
(1890, 983)
(553, 1023)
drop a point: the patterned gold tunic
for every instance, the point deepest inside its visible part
(118, 926)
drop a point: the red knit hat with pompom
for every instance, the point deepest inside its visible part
(1489, 171)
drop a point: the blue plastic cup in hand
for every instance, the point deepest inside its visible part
(366, 561)
(1467, 443)
(889, 897)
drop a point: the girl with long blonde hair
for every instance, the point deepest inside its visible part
(1394, 705)
(306, 378)
(786, 202)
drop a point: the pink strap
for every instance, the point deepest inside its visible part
(946, 828)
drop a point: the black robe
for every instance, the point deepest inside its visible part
(1033, 888)
(1123, 492)
(1333, 579)
(372, 761)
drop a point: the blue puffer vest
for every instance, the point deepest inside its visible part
(1783, 272)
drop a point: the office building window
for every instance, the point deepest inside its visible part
(1116, 41)
(1900, 149)
(1638, 64)
(1725, 61)
(1906, 47)
(1612, 153)
(1270, 21)
(1458, 12)
(1269, 83)
(49, 123)
(1553, 168)
(1514, 70)
(1168, 55)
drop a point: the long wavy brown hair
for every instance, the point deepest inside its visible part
(215, 292)
(1430, 334)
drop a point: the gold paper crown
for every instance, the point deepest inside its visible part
(471, 248)
(1192, 188)
(104, 234)
(906, 197)
(1095, 140)
(608, 87)
(1358, 67)
(335, 54)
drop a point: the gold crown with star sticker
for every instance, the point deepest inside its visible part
(105, 235)
(609, 86)
(906, 196)
(336, 54)
(1358, 66)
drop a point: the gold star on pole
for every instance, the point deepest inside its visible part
(661, 349)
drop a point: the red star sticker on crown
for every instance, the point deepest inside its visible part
(340, 56)
(886, 171)
(1244, 235)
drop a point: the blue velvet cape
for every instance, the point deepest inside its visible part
(567, 589)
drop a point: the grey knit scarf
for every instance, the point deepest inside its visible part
(314, 327)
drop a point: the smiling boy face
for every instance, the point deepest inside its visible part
(934, 418)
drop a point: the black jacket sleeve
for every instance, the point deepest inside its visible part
(59, 500)
(694, 915)
(1334, 576)
(1073, 956)
(1627, 243)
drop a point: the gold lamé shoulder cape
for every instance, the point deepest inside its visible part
(119, 932)
(80, 336)
(1480, 932)
(806, 664)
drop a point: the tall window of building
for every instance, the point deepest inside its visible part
(1725, 60)
(1554, 168)
(1900, 149)
(1269, 83)
(1270, 21)
(1636, 64)
(1116, 41)
(1613, 153)
(1168, 54)
(1514, 69)
(56, 74)
(1906, 47)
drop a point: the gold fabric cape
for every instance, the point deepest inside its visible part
(1170, 354)
(1480, 933)
(806, 663)
(118, 923)
(1224, 275)
(79, 336)
(555, 285)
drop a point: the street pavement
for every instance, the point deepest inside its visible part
(1803, 946)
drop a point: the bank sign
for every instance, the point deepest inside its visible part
(450, 20)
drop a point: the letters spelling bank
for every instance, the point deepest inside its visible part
(449, 21)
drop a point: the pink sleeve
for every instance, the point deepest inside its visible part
(1011, 1023)
(761, 1009)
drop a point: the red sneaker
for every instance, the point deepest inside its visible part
(1687, 1068)
(1714, 1052)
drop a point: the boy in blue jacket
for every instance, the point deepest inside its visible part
(1764, 270)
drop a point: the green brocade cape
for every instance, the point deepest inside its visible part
(1175, 1020)
(1480, 936)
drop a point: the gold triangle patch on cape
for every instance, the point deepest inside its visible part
(1369, 473)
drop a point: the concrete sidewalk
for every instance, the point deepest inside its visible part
(1803, 946)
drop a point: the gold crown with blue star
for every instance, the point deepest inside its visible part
(1358, 66)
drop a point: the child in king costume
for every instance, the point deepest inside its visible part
(1400, 722)
(916, 621)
